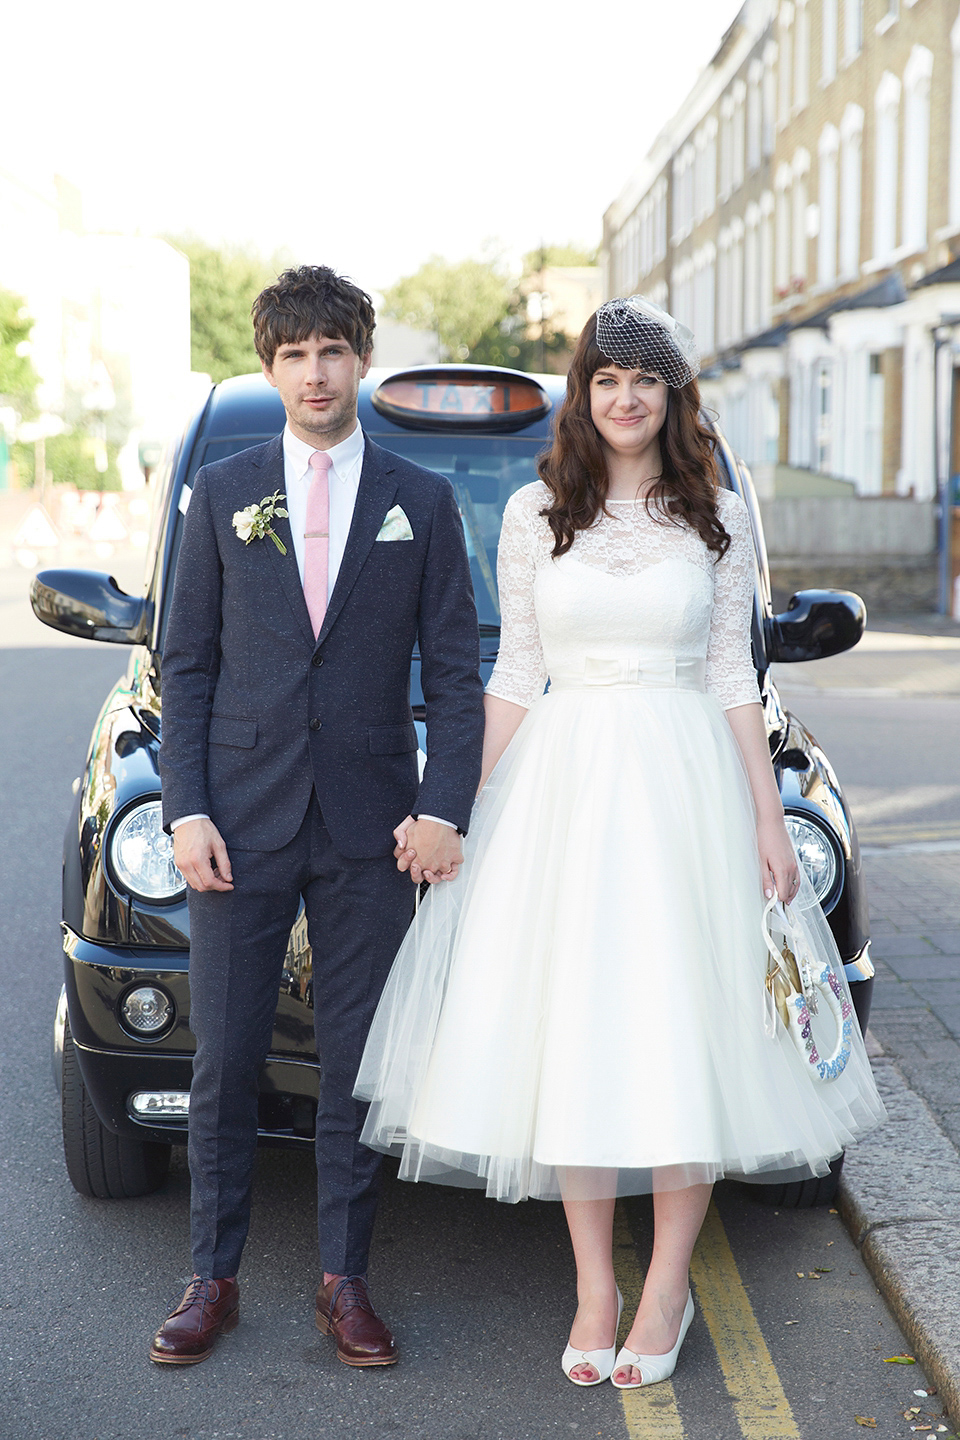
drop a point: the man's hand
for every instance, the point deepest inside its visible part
(201, 856)
(429, 850)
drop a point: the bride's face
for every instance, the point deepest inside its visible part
(628, 408)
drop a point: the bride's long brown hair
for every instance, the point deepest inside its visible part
(576, 474)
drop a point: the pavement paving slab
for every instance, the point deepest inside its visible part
(900, 1200)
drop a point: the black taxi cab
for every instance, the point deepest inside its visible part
(122, 1039)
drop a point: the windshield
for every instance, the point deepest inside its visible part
(484, 471)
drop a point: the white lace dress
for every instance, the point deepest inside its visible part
(581, 1011)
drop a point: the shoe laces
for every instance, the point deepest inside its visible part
(351, 1291)
(198, 1289)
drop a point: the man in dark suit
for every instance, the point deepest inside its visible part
(288, 764)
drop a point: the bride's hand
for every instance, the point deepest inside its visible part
(778, 861)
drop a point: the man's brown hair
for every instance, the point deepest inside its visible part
(311, 300)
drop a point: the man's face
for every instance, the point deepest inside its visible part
(318, 381)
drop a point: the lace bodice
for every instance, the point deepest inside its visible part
(633, 582)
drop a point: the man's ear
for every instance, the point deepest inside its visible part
(365, 363)
(268, 372)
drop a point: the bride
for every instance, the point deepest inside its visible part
(579, 1014)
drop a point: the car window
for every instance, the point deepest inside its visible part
(484, 471)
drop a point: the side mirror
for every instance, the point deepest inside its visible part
(815, 624)
(91, 605)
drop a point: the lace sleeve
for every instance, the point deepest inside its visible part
(731, 676)
(519, 674)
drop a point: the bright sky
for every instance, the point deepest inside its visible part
(367, 134)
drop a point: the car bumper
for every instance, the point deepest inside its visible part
(116, 1066)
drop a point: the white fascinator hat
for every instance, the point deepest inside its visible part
(637, 334)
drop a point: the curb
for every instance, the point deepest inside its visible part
(900, 1199)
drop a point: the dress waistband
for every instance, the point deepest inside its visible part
(638, 672)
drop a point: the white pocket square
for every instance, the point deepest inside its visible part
(396, 526)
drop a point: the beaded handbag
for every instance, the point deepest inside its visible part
(805, 994)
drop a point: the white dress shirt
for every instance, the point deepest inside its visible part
(346, 462)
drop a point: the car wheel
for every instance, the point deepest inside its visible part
(100, 1164)
(801, 1194)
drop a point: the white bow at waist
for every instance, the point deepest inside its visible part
(645, 672)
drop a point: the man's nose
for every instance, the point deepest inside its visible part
(315, 371)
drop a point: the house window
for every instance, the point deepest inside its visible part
(801, 56)
(851, 142)
(769, 97)
(754, 116)
(751, 271)
(723, 290)
(852, 29)
(916, 146)
(955, 127)
(801, 168)
(887, 106)
(827, 239)
(823, 416)
(786, 61)
(782, 264)
(726, 146)
(739, 98)
(828, 51)
(766, 260)
(736, 279)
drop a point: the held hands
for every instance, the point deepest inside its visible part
(201, 856)
(430, 851)
(778, 862)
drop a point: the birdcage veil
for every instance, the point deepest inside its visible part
(639, 335)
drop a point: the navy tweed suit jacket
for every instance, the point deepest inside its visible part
(257, 712)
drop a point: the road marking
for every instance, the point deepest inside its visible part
(762, 1409)
(650, 1413)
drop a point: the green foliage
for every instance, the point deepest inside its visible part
(464, 304)
(546, 255)
(223, 286)
(478, 314)
(18, 379)
(70, 459)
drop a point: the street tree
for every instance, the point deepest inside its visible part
(223, 285)
(18, 378)
(464, 304)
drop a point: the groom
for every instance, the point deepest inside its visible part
(288, 759)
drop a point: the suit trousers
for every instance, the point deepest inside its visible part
(357, 913)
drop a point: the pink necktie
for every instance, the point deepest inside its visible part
(316, 548)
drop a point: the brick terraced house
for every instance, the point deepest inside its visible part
(801, 212)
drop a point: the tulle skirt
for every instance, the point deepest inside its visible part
(581, 1013)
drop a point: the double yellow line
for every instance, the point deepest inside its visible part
(759, 1403)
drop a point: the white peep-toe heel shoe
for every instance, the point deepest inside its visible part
(653, 1368)
(601, 1360)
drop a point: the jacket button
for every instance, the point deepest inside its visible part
(318, 660)
(314, 724)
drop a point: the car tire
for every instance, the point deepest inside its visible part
(801, 1194)
(100, 1164)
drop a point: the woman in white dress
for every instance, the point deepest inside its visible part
(579, 1015)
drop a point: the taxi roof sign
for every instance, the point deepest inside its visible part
(461, 398)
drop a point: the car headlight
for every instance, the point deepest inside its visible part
(147, 1010)
(816, 854)
(141, 855)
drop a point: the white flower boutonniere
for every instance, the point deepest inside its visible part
(253, 522)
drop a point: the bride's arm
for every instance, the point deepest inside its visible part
(520, 674)
(501, 722)
(777, 858)
(731, 677)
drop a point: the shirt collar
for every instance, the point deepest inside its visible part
(344, 458)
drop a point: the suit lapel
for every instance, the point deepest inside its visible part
(285, 566)
(375, 496)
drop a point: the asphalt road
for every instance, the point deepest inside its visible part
(480, 1295)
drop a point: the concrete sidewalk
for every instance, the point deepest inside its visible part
(900, 1190)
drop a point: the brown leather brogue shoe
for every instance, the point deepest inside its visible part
(209, 1308)
(344, 1311)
